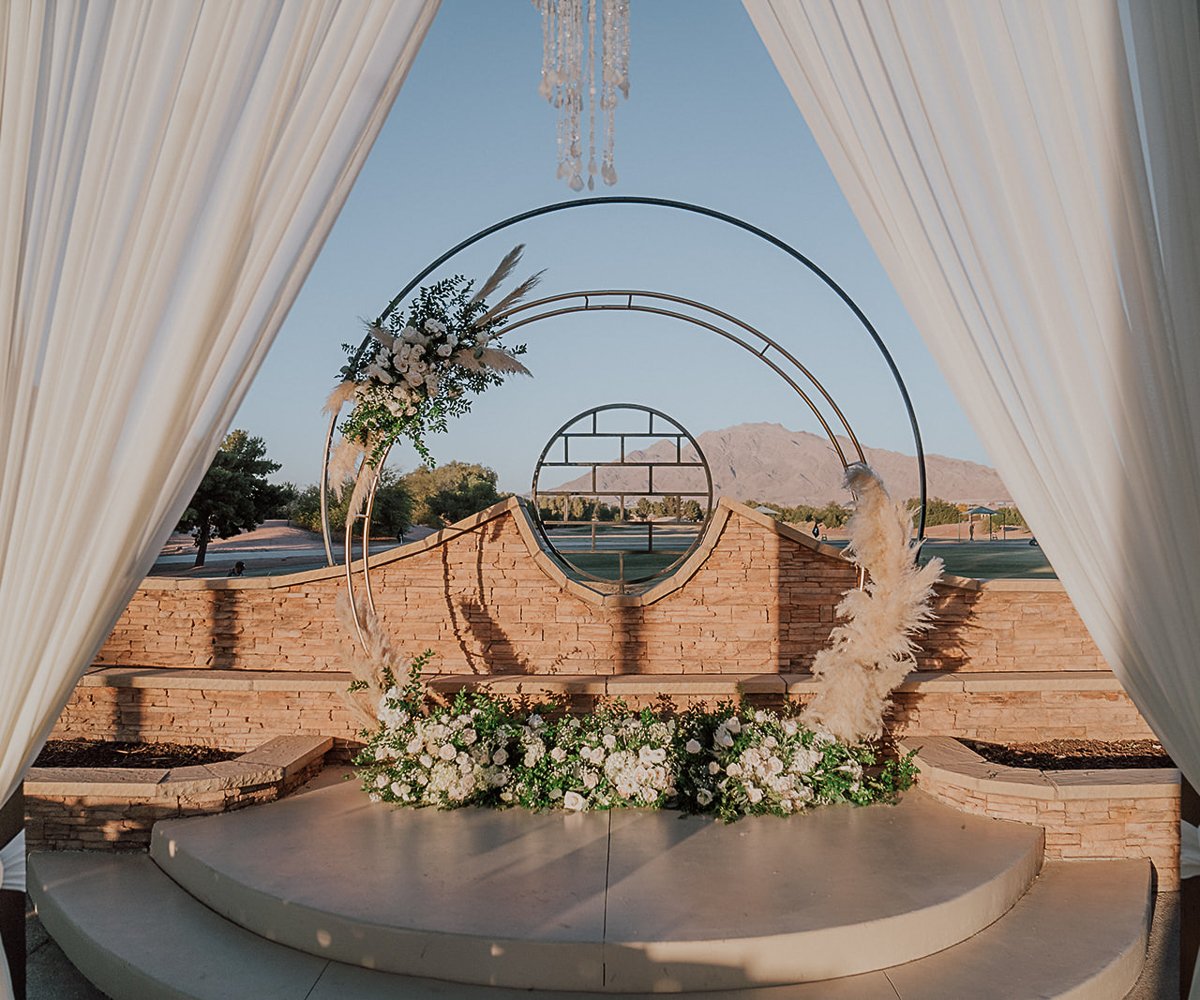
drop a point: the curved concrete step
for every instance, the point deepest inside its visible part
(1078, 934)
(619, 902)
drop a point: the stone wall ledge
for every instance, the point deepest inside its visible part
(336, 681)
(946, 760)
(274, 762)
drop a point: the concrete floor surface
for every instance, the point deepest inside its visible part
(51, 976)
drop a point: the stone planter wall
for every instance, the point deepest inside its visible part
(76, 808)
(1119, 813)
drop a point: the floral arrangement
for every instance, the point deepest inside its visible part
(871, 650)
(483, 750)
(423, 366)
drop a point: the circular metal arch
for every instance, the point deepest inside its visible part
(679, 433)
(624, 300)
(681, 206)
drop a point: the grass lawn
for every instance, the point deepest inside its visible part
(637, 564)
(991, 560)
(983, 560)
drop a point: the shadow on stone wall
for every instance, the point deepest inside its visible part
(224, 629)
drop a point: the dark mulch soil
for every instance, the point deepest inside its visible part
(101, 753)
(1074, 755)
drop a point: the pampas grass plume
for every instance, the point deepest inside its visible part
(871, 651)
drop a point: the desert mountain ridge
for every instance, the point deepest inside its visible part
(769, 463)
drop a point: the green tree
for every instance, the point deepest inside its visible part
(643, 509)
(450, 492)
(1009, 515)
(832, 515)
(938, 511)
(692, 511)
(391, 515)
(234, 495)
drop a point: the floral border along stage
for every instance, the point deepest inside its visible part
(423, 367)
(484, 750)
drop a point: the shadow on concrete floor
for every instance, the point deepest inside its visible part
(53, 977)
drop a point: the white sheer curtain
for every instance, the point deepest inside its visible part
(1029, 175)
(169, 170)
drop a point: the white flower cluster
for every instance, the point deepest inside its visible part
(437, 760)
(410, 367)
(770, 764)
(483, 752)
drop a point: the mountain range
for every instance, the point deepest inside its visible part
(770, 464)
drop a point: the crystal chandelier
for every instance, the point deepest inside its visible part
(569, 75)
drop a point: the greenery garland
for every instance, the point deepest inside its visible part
(484, 750)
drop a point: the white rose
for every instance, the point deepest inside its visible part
(573, 801)
(426, 760)
(713, 767)
(722, 737)
(381, 781)
(609, 740)
(755, 794)
(414, 378)
(734, 770)
(447, 752)
(703, 797)
(733, 725)
(535, 721)
(445, 351)
(500, 757)
(590, 779)
(556, 793)
(692, 746)
(469, 736)
(414, 744)
(397, 789)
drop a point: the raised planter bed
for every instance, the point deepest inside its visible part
(1087, 814)
(90, 808)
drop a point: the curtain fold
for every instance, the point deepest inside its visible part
(168, 173)
(1029, 175)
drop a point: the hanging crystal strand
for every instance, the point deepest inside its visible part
(565, 68)
(591, 83)
(615, 35)
(577, 87)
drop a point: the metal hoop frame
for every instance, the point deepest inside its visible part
(563, 206)
(679, 433)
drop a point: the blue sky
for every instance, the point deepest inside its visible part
(708, 120)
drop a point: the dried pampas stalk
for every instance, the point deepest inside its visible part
(370, 666)
(501, 361)
(503, 270)
(871, 652)
(343, 462)
(367, 476)
(511, 299)
(341, 395)
(381, 335)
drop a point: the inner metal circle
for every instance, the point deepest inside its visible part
(636, 500)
